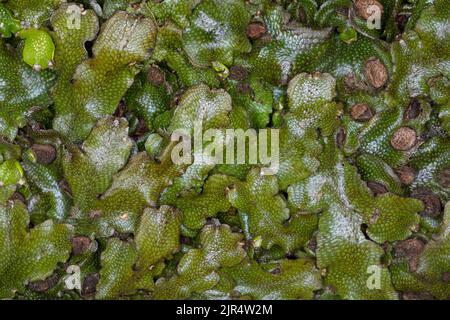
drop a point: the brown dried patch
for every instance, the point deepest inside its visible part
(431, 202)
(361, 112)
(141, 129)
(404, 139)
(351, 82)
(41, 286)
(90, 284)
(156, 76)
(444, 178)
(362, 8)
(123, 236)
(417, 296)
(377, 188)
(401, 20)
(413, 111)
(406, 174)
(411, 250)
(120, 110)
(341, 137)
(45, 153)
(136, 6)
(80, 245)
(302, 15)
(255, 30)
(376, 73)
(238, 73)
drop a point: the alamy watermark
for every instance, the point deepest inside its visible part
(374, 280)
(73, 278)
(74, 13)
(374, 19)
(227, 146)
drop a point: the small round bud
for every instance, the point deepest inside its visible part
(361, 112)
(45, 153)
(255, 30)
(404, 139)
(80, 245)
(406, 175)
(376, 73)
(156, 76)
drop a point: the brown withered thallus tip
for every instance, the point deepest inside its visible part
(341, 137)
(377, 188)
(80, 245)
(361, 112)
(45, 153)
(401, 21)
(41, 286)
(363, 8)
(413, 111)
(431, 202)
(411, 250)
(350, 81)
(376, 73)
(141, 129)
(90, 284)
(255, 30)
(404, 139)
(156, 76)
(406, 175)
